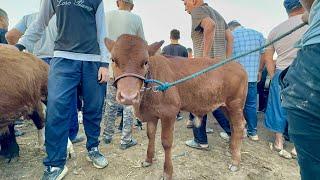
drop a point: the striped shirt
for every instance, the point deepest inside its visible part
(218, 49)
(246, 40)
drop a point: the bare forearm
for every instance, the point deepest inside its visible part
(270, 65)
(229, 48)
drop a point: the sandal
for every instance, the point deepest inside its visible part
(285, 154)
(195, 145)
(294, 153)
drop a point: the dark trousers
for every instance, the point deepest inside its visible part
(64, 77)
(262, 91)
(74, 128)
(307, 146)
(200, 135)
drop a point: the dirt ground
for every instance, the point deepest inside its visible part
(258, 161)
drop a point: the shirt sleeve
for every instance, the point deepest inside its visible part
(102, 34)
(22, 25)
(36, 29)
(140, 30)
(197, 16)
(269, 39)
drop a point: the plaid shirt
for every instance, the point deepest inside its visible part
(246, 40)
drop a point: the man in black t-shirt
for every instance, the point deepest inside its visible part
(175, 49)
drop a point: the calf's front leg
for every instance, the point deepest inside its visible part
(167, 128)
(151, 132)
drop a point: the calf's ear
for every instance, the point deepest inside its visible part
(153, 48)
(109, 43)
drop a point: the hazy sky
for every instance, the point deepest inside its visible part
(160, 16)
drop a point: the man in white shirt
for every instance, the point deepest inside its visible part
(121, 21)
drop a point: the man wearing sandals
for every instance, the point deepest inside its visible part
(275, 117)
(301, 97)
(211, 38)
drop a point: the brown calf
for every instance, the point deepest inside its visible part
(226, 86)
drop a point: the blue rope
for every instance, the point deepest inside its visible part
(163, 86)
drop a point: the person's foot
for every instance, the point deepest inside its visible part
(294, 153)
(224, 136)
(107, 140)
(98, 160)
(190, 124)
(253, 137)
(133, 142)
(194, 144)
(78, 139)
(54, 173)
(209, 130)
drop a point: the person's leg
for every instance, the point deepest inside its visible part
(222, 120)
(200, 135)
(127, 140)
(275, 117)
(111, 110)
(64, 76)
(250, 109)
(74, 126)
(93, 97)
(307, 146)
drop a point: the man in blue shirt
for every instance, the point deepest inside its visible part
(80, 56)
(246, 40)
(301, 95)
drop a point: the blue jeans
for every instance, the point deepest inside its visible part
(250, 109)
(74, 128)
(64, 77)
(200, 135)
(275, 116)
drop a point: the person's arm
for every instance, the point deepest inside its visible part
(101, 35)
(268, 57)
(36, 29)
(261, 66)
(17, 31)
(13, 36)
(209, 27)
(229, 39)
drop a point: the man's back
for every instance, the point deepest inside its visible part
(246, 40)
(123, 22)
(219, 43)
(175, 50)
(284, 47)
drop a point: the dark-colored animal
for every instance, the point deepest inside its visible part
(23, 83)
(226, 87)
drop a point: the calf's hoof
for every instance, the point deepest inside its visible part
(145, 164)
(233, 168)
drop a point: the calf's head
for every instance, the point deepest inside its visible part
(130, 57)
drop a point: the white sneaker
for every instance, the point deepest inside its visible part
(224, 136)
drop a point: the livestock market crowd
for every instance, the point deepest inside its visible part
(95, 60)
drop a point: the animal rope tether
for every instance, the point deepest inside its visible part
(163, 86)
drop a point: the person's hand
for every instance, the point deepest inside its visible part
(259, 76)
(305, 17)
(8, 46)
(103, 75)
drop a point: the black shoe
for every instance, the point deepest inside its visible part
(54, 173)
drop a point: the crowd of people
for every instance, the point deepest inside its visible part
(81, 77)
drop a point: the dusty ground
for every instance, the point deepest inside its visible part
(258, 161)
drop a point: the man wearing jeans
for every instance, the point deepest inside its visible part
(80, 56)
(246, 40)
(211, 38)
(302, 94)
